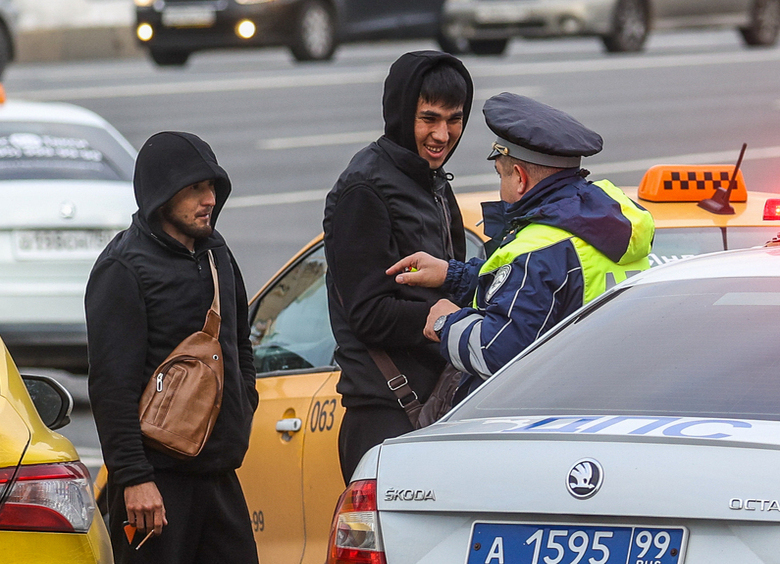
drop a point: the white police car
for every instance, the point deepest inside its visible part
(645, 428)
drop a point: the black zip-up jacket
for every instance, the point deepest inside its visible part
(146, 293)
(386, 205)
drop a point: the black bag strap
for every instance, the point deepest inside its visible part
(396, 380)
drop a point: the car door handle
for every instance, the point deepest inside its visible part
(292, 425)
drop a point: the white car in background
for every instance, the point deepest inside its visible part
(645, 428)
(66, 190)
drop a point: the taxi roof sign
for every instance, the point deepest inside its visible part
(689, 183)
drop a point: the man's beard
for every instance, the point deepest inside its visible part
(190, 230)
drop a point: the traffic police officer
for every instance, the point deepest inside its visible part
(559, 241)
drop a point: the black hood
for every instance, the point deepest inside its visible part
(402, 92)
(169, 161)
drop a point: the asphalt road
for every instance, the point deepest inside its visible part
(284, 131)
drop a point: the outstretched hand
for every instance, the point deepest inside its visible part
(420, 269)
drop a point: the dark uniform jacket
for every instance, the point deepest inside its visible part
(386, 205)
(562, 244)
(146, 293)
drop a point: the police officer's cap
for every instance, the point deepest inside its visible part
(537, 133)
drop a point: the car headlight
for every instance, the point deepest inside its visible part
(144, 32)
(144, 3)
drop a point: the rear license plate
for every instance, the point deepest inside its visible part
(519, 543)
(67, 244)
(507, 13)
(188, 16)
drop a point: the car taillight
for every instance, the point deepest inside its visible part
(772, 209)
(47, 497)
(354, 535)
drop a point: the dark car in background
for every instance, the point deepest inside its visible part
(312, 29)
(485, 26)
(8, 16)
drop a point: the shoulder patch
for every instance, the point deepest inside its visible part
(499, 277)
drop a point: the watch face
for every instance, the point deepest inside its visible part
(438, 325)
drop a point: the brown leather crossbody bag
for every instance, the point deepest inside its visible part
(181, 402)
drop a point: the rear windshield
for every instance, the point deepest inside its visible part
(687, 348)
(57, 151)
(670, 245)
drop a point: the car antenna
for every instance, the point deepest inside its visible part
(719, 203)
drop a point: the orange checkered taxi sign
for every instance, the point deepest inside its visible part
(689, 183)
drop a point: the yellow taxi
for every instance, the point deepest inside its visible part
(291, 476)
(47, 512)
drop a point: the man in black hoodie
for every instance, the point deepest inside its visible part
(150, 289)
(393, 198)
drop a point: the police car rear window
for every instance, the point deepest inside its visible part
(55, 151)
(687, 348)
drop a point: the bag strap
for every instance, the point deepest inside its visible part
(398, 383)
(213, 318)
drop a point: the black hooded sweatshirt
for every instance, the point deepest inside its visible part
(146, 293)
(386, 205)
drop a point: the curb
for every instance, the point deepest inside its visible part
(74, 44)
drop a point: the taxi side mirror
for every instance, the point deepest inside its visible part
(53, 402)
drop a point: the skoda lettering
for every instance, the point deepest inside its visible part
(409, 495)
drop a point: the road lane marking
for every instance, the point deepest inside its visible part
(261, 200)
(490, 179)
(355, 137)
(319, 140)
(376, 75)
(369, 76)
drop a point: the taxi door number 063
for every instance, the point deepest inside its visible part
(494, 543)
(322, 416)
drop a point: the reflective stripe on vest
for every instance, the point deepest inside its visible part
(598, 272)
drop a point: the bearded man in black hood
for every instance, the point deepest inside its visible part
(150, 289)
(394, 197)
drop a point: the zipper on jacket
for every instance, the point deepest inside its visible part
(439, 185)
(160, 382)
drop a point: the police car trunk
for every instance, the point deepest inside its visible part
(643, 429)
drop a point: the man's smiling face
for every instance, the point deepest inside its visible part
(436, 131)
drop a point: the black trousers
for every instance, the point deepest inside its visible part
(208, 522)
(366, 427)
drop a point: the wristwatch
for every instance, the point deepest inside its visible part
(438, 325)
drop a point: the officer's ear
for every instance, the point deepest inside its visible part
(524, 179)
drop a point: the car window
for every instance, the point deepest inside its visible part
(59, 151)
(678, 243)
(697, 348)
(474, 246)
(290, 329)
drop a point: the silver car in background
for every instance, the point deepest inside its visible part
(66, 189)
(645, 428)
(485, 26)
